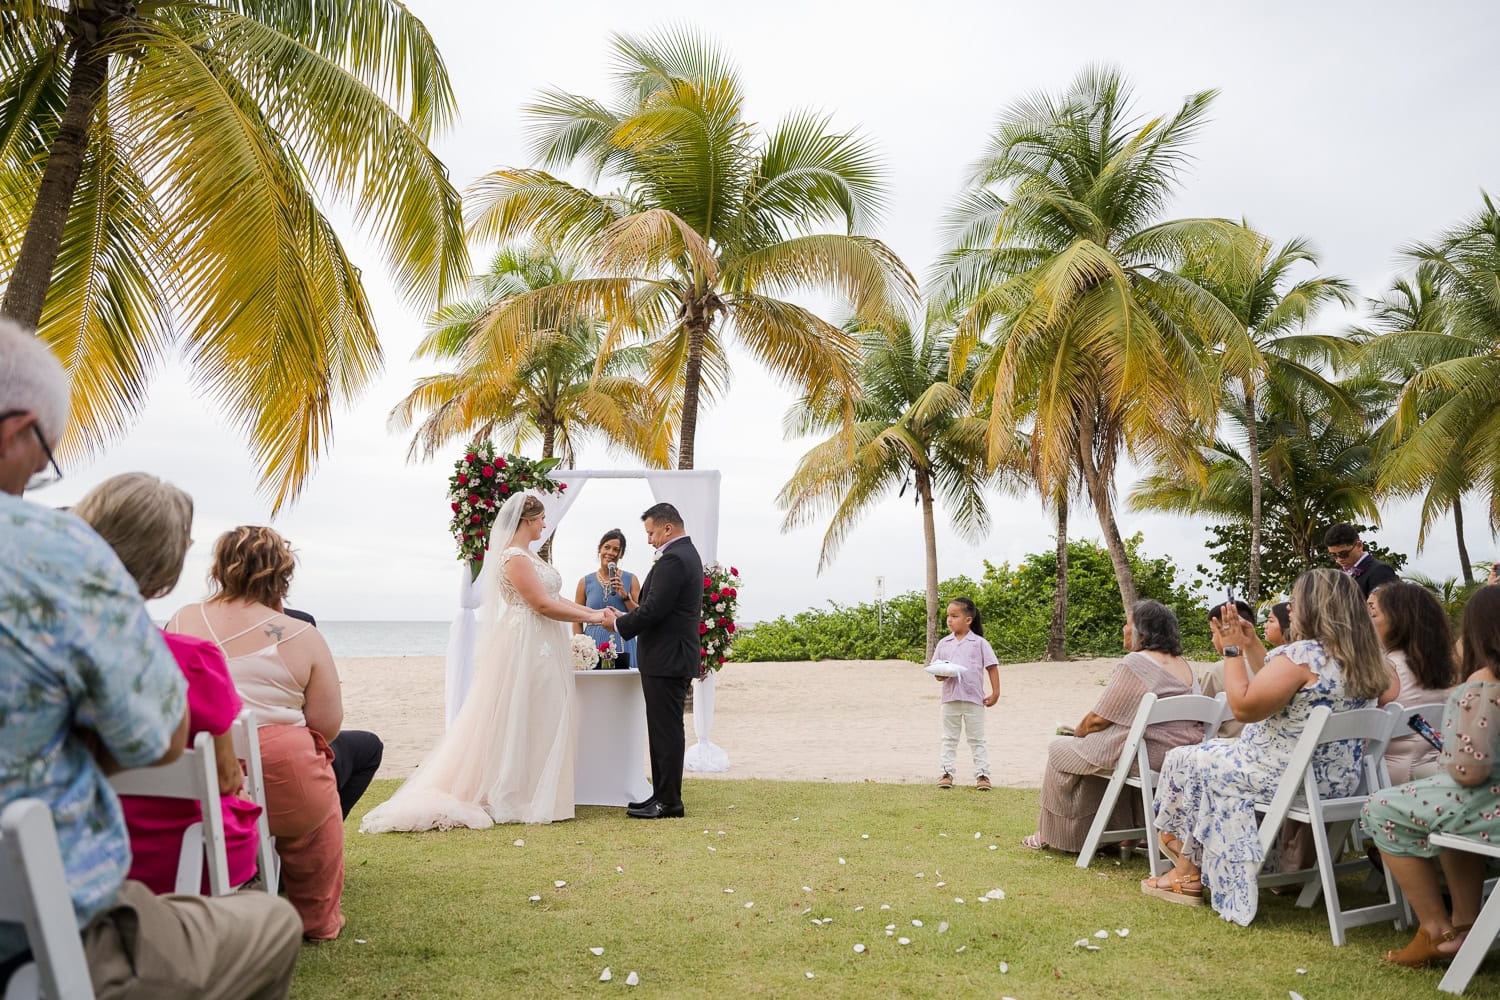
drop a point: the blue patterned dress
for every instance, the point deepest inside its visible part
(1206, 795)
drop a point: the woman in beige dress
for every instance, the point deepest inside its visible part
(508, 757)
(1079, 766)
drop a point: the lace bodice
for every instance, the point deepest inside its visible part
(551, 578)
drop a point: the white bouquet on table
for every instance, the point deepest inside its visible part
(944, 668)
(585, 653)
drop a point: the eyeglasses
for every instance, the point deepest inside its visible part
(1343, 553)
(47, 476)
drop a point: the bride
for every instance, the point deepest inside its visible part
(508, 757)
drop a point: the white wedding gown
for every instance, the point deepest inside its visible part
(508, 757)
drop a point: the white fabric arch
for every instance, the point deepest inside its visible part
(695, 494)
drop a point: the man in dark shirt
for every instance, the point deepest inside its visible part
(1348, 551)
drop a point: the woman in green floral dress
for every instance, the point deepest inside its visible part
(1463, 799)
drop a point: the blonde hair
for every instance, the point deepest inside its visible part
(1328, 607)
(252, 563)
(532, 508)
(149, 524)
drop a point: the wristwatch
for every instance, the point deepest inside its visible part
(1231, 651)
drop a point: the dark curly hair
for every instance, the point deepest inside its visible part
(1155, 627)
(1417, 626)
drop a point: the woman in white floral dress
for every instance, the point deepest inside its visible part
(1206, 795)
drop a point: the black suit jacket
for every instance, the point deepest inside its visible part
(1373, 573)
(669, 614)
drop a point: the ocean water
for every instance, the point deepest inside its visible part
(351, 638)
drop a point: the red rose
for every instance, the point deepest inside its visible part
(604, 647)
(488, 471)
(474, 519)
(455, 508)
(708, 583)
(703, 653)
(723, 622)
(732, 592)
(500, 462)
(714, 596)
(721, 659)
(729, 628)
(504, 488)
(479, 556)
(733, 571)
(473, 498)
(470, 457)
(702, 629)
(463, 480)
(561, 487)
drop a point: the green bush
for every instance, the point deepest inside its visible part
(1015, 603)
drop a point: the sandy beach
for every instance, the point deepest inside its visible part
(846, 720)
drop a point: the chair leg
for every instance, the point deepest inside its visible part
(1101, 821)
(1154, 856)
(1328, 877)
(1483, 934)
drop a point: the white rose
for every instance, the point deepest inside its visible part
(719, 607)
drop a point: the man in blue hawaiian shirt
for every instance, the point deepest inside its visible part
(88, 687)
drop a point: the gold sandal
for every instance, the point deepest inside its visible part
(1185, 889)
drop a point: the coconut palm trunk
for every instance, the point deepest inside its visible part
(698, 316)
(1057, 637)
(1463, 550)
(26, 293)
(1252, 585)
(1096, 481)
(929, 540)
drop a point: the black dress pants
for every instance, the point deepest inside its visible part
(664, 698)
(356, 758)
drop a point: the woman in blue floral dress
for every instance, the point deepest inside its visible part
(1463, 799)
(1206, 795)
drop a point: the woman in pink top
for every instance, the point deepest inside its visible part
(149, 524)
(283, 670)
(1418, 641)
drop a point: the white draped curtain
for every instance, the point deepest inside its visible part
(695, 494)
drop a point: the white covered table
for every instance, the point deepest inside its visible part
(610, 766)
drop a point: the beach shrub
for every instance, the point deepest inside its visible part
(1015, 602)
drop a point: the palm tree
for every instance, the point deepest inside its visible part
(1058, 257)
(1268, 344)
(1410, 323)
(913, 428)
(1319, 470)
(563, 388)
(155, 170)
(713, 221)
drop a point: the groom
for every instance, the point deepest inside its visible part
(667, 653)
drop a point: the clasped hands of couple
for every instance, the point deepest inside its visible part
(608, 617)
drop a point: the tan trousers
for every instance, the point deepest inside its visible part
(238, 947)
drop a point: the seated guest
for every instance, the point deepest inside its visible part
(1462, 799)
(1344, 544)
(88, 689)
(1414, 630)
(609, 587)
(1279, 624)
(149, 525)
(283, 670)
(1212, 679)
(1079, 766)
(1206, 795)
(357, 753)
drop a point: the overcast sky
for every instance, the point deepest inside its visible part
(1360, 125)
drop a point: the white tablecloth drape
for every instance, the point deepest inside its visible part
(610, 766)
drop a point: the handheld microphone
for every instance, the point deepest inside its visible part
(614, 568)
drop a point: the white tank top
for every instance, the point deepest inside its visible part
(264, 682)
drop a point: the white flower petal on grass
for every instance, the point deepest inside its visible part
(606, 975)
(1081, 943)
(921, 874)
(596, 952)
(958, 899)
(890, 927)
(858, 908)
(1004, 968)
(620, 869)
(859, 949)
(916, 923)
(984, 899)
(960, 949)
(807, 911)
(1123, 932)
(903, 940)
(1094, 947)
(994, 847)
(360, 941)
(1301, 972)
(1293, 995)
(731, 807)
(534, 899)
(942, 835)
(558, 884)
(807, 888)
(976, 834)
(890, 933)
(1000, 894)
(721, 833)
(633, 979)
(941, 884)
(520, 843)
(712, 849)
(808, 974)
(864, 836)
(885, 906)
(796, 818)
(748, 905)
(942, 927)
(842, 861)
(729, 890)
(1102, 935)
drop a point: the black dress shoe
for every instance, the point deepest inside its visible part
(641, 804)
(656, 810)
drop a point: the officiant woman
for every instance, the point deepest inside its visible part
(608, 586)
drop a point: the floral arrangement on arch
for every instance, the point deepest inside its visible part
(721, 598)
(481, 482)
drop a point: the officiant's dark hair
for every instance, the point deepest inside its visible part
(972, 610)
(663, 513)
(612, 535)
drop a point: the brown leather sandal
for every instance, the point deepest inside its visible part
(1185, 889)
(1423, 950)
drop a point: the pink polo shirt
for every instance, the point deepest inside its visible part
(974, 654)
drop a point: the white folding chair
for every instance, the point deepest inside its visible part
(193, 776)
(1133, 756)
(1297, 798)
(1485, 930)
(34, 893)
(247, 748)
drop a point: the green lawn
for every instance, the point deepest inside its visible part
(448, 914)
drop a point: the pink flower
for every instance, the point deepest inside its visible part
(733, 571)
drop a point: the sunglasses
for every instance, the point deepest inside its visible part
(47, 476)
(1343, 553)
